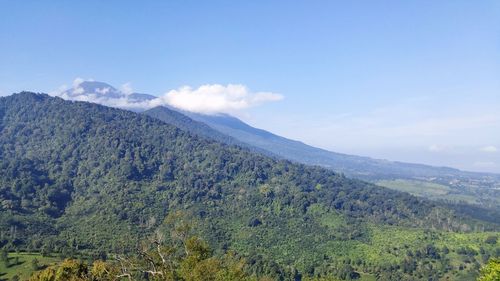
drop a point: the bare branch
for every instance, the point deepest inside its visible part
(153, 272)
(158, 248)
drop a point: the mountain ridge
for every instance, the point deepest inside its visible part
(224, 122)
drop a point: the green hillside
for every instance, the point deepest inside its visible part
(180, 120)
(23, 265)
(85, 180)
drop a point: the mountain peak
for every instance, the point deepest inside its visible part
(91, 85)
(104, 93)
(96, 88)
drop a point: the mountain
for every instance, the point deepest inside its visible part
(300, 152)
(138, 97)
(465, 190)
(437, 183)
(98, 89)
(182, 121)
(78, 178)
(103, 93)
(365, 167)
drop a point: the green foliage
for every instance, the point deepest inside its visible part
(20, 264)
(191, 262)
(474, 197)
(35, 264)
(418, 188)
(436, 183)
(492, 239)
(71, 270)
(4, 257)
(83, 180)
(180, 120)
(491, 271)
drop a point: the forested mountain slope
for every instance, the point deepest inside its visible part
(462, 189)
(437, 183)
(179, 120)
(78, 177)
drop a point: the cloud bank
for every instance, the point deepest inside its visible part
(206, 99)
(217, 98)
(127, 88)
(437, 148)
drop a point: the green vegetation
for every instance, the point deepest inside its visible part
(485, 194)
(491, 271)
(184, 258)
(440, 184)
(418, 188)
(180, 120)
(21, 264)
(86, 181)
(429, 190)
(479, 199)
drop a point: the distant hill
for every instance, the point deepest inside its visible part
(300, 152)
(81, 178)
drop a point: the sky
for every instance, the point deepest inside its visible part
(415, 81)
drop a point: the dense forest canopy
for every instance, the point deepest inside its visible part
(82, 179)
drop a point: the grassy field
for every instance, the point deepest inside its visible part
(20, 264)
(427, 189)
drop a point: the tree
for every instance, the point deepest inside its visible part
(491, 271)
(67, 270)
(35, 264)
(492, 239)
(183, 258)
(4, 257)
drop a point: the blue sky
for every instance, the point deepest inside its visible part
(413, 81)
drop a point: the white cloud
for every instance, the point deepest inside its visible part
(437, 148)
(102, 91)
(78, 91)
(207, 99)
(127, 88)
(77, 82)
(489, 148)
(217, 98)
(59, 91)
